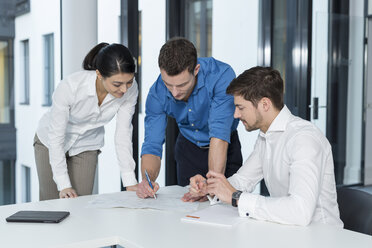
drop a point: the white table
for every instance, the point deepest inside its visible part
(87, 227)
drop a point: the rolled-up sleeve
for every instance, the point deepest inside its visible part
(123, 137)
(62, 100)
(221, 115)
(155, 124)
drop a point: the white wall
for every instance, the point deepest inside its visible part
(108, 31)
(153, 37)
(33, 26)
(235, 41)
(79, 32)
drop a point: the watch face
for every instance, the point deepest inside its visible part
(235, 197)
(237, 194)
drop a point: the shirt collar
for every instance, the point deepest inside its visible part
(200, 80)
(92, 84)
(280, 122)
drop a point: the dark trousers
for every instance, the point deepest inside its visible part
(192, 159)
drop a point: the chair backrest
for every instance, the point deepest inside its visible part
(355, 209)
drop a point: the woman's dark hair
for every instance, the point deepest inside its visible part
(259, 82)
(177, 55)
(109, 59)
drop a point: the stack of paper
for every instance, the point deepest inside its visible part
(220, 215)
(168, 198)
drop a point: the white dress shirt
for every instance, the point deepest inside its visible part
(295, 160)
(75, 123)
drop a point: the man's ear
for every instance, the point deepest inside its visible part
(266, 104)
(196, 70)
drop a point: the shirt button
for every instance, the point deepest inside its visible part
(189, 110)
(196, 130)
(192, 124)
(247, 214)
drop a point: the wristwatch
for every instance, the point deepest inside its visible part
(235, 198)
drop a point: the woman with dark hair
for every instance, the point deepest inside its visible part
(69, 136)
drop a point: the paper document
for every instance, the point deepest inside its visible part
(168, 198)
(220, 215)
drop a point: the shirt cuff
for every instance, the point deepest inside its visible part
(63, 182)
(222, 136)
(247, 204)
(128, 179)
(153, 150)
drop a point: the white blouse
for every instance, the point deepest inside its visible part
(295, 160)
(75, 123)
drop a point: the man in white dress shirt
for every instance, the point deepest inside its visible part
(291, 155)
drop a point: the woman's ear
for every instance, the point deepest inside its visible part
(99, 75)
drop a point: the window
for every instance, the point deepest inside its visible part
(368, 104)
(7, 182)
(25, 73)
(26, 183)
(4, 83)
(290, 48)
(199, 25)
(321, 61)
(48, 69)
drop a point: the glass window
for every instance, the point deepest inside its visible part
(280, 40)
(199, 25)
(25, 73)
(337, 84)
(48, 69)
(7, 182)
(289, 56)
(4, 83)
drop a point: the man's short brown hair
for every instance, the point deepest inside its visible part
(259, 82)
(177, 55)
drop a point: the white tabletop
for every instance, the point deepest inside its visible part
(88, 227)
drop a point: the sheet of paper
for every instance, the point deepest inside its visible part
(168, 198)
(221, 215)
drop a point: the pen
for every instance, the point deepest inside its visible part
(212, 200)
(148, 180)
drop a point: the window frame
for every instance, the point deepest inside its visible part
(25, 78)
(48, 69)
(10, 56)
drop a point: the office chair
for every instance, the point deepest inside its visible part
(355, 209)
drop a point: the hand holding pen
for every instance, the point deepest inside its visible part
(144, 189)
(149, 181)
(198, 186)
(197, 191)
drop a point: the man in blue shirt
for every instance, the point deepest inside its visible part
(193, 92)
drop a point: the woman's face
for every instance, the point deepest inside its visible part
(117, 84)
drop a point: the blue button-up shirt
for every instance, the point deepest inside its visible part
(208, 112)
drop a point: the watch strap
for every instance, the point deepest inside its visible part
(235, 198)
